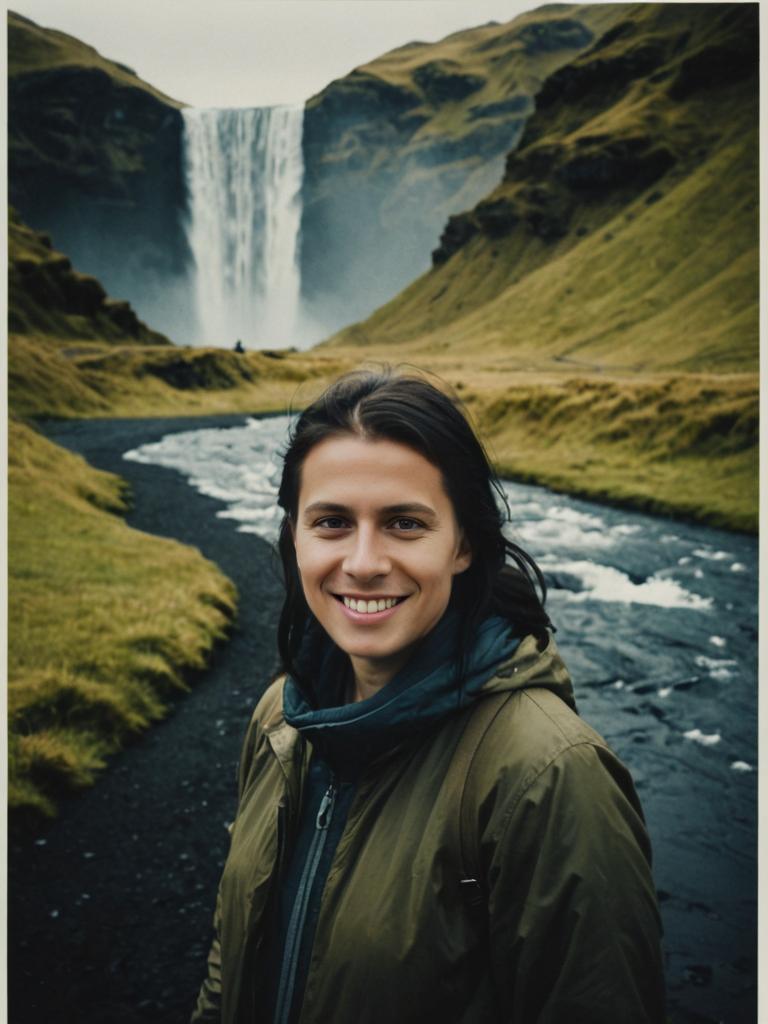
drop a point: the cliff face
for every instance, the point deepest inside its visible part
(624, 231)
(399, 144)
(94, 158)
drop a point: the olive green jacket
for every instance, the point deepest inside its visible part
(569, 931)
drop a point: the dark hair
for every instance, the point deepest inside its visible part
(411, 411)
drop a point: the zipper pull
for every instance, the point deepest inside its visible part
(326, 807)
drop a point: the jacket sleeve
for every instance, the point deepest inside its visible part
(574, 925)
(208, 1007)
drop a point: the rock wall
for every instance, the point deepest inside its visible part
(94, 160)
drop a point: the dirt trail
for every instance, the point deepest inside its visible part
(109, 907)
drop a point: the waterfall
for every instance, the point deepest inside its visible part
(244, 171)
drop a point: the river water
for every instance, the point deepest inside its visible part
(657, 621)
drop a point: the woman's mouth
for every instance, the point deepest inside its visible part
(369, 606)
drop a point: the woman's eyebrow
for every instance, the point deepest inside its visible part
(328, 507)
(410, 508)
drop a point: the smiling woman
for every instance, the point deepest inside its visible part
(426, 829)
(375, 577)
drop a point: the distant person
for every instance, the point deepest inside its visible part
(239, 346)
(426, 829)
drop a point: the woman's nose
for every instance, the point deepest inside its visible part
(366, 557)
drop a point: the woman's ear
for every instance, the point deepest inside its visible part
(463, 558)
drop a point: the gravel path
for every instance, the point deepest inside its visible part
(109, 907)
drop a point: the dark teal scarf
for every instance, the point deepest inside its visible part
(424, 691)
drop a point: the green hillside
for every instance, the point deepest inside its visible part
(625, 231)
(95, 162)
(34, 48)
(482, 75)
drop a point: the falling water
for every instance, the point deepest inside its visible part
(244, 172)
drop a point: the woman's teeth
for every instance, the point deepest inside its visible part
(369, 606)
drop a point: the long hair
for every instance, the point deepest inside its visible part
(502, 579)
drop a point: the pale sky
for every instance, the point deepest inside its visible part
(250, 53)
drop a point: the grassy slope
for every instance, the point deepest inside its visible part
(102, 627)
(32, 47)
(493, 52)
(631, 268)
(641, 288)
(678, 445)
(670, 285)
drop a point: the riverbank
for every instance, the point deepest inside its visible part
(110, 905)
(106, 627)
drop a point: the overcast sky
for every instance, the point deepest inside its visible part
(242, 53)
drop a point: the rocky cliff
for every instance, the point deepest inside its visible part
(94, 158)
(624, 232)
(422, 132)
(48, 297)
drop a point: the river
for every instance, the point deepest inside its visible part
(657, 621)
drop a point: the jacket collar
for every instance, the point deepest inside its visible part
(426, 690)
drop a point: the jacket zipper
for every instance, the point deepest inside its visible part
(285, 991)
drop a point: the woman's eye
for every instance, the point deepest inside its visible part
(406, 525)
(331, 523)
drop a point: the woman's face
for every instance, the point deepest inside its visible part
(377, 545)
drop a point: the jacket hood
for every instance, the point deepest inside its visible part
(348, 736)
